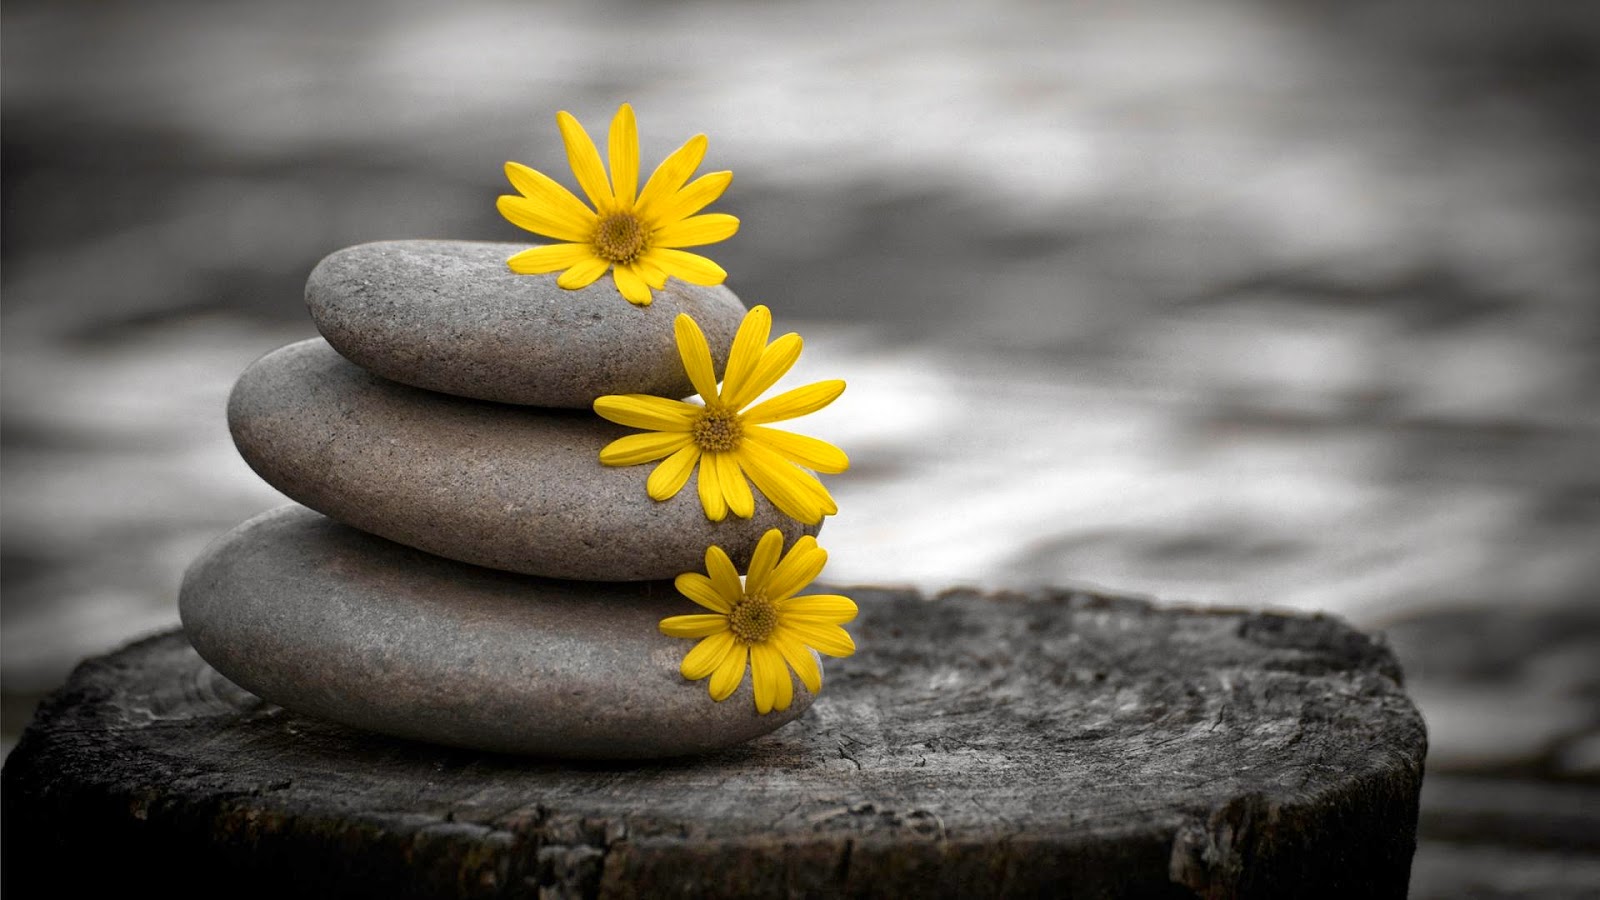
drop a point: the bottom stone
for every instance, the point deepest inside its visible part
(332, 622)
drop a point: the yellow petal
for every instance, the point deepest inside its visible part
(774, 482)
(710, 485)
(830, 640)
(669, 478)
(585, 161)
(795, 479)
(547, 192)
(776, 360)
(735, 490)
(725, 680)
(696, 230)
(702, 625)
(708, 654)
(651, 273)
(646, 411)
(699, 194)
(550, 258)
(670, 176)
(686, 266)
(795, 403)
(583, 274)
(832, 608)
(819, 456)
(763, 560)
(624, 155)
(770, 678)
(703, 591)
(799, 658)
(800, 566)
(636, 449)
(540, 218)
(748, 344)
(722, 573)
(696, 354)
(631, 285)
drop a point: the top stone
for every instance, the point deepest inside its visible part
(449, 316)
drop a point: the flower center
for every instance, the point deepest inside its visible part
(718, 429)
(753, 619)
(619, 237)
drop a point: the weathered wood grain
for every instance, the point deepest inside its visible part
(1055, 744)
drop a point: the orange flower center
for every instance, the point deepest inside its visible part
(619, 238)
(718, 429)
(753, 619)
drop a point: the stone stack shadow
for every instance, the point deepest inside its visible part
(463, 570)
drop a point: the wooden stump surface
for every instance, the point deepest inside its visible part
(1058, 743)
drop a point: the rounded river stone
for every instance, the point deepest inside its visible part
(325, 620)
(508, 487)
(450, 316)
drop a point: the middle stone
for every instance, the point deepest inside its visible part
(511, 488)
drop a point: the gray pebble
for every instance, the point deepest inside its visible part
(330, 622)
(508, 487)
(450, 316)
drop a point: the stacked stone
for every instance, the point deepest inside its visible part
(467, 572)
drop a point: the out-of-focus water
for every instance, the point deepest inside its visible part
(1291, 304)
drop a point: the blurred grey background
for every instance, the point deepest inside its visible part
(1289, 303)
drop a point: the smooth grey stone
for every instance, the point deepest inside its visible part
(509, 487)
(450, 316)
(322, 619)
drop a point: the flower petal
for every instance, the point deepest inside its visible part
(541, 218)
(647, 411)
(637, 449)
(696, 626)
(735, 490)
(549, 258)
(583, 274)
(776, 360)
(796, 479)
(819, 456)
(709, 482)
(703, 591)
(795, 403)
(669, 177)
(651, 273)
(624, 155)
(748, 345)
(686, 266)
(546, 192)
(775, 482)
(631, 285)
(763, 560)
(708, 654)
(827, 639)
(833, 608)
(799, 658)
(800, 566)
(770, 678)
(585, 161)
(669, 478)
(699, 194)
(725, 680)
(696, 230)
(696, 354)
(722, 573)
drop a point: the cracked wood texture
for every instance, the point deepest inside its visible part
(1056, 743)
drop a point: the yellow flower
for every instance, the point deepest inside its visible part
(731, 445)
(636, 233)
(762, 622)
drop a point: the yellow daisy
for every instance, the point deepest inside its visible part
(762, 622)
(638, 234)
(731, 445)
